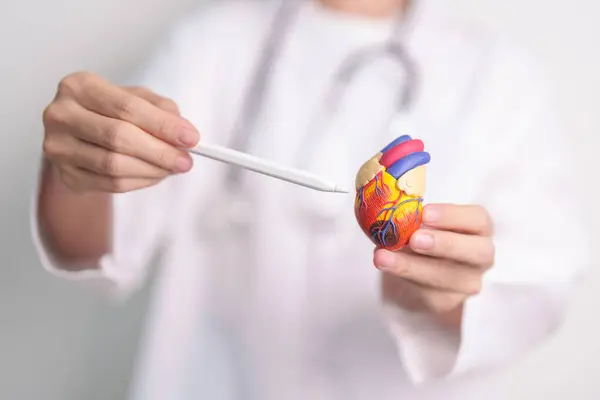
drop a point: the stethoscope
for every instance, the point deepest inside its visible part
(233, 214)
(246, 122)
(393, 49)
(232, 222)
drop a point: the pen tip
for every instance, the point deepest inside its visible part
(338, 189)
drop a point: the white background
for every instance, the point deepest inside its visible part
(60, 342)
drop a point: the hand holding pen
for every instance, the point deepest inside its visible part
(107, 138)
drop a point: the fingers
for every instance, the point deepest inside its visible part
(444, 262)
(98, 96)
(120, 137)
(159, 101)
(81, 180)
(432, 273)
(469, 219)
(101, 161)
(109, 138)
(469, 249)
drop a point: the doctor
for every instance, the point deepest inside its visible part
(271, 291)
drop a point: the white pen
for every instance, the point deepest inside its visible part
(266, 167)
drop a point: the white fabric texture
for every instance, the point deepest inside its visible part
(304, 292)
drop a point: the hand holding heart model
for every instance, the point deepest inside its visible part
(389, 193)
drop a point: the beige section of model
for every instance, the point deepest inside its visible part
(413, 182)
(368, 171)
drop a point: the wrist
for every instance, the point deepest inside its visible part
(411, 298)
(74, 226)
(451, 319)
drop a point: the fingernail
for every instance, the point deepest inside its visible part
(422, 240)
(183, 164)
(384, 259)
(430, 214)
(189, 137)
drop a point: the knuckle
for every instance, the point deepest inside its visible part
(67, 85)
(110, 164)
(138, 91)
(165, 158)
(162, 156)
(403, 266)
(167, 128)
(135, 89)
(48, 147)
(73, 82)
(113, 135)
(53, 114)
(84, 78)
(126, 107)
(52, 147)
(167, 104)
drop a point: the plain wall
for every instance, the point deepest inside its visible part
(566, 37)
(59, 342)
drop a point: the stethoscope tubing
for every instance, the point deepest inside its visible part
(246, 122)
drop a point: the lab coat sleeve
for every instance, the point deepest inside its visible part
(529, 188)
(140, 222)
(138, 227)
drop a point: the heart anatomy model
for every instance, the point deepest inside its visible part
(389, 193)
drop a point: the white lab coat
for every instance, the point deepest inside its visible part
(295, 288)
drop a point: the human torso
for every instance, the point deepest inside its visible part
(288, 293)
